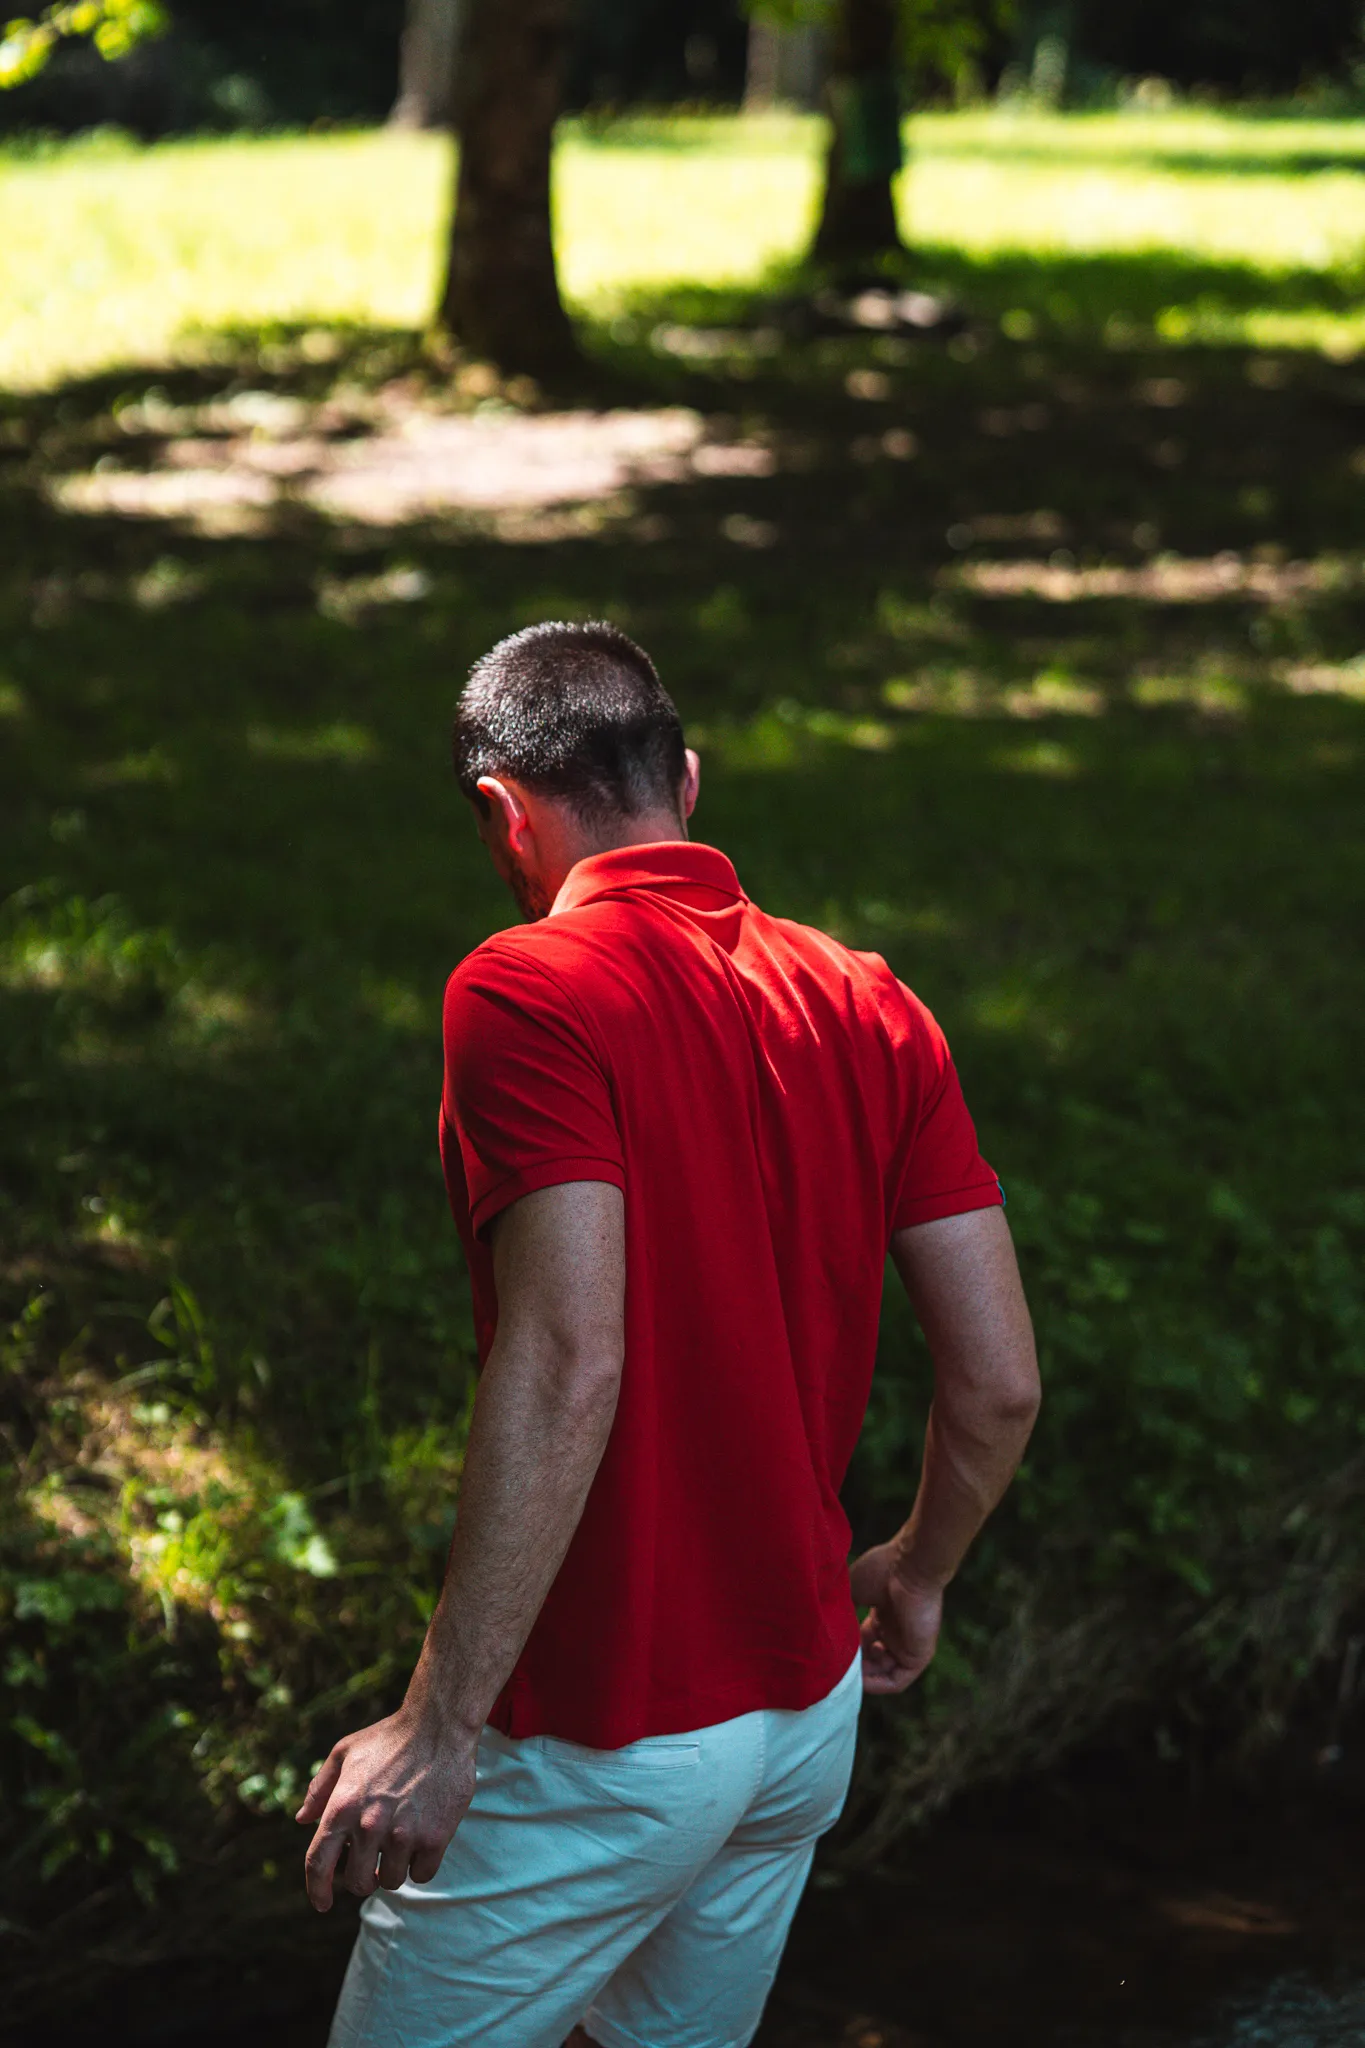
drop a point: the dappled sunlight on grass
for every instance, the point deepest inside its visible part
(1168, 579)
(1037, 757)
(1326, 679)
(383, 459)
(1020, 1010)
(349, 743)
(77, 946)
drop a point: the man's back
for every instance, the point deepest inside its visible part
(773, 1107)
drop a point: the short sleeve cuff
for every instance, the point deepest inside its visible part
(546, 1173)
(982, 1194)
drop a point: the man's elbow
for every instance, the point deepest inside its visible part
(1016, 1396)
(585, 1376)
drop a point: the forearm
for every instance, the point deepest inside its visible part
(967, 1468)
(539, 1429)
(963, 1280)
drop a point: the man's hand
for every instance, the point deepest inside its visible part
(900, 1634)
(389, 1798)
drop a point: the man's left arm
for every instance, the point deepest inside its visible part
(390, 1797)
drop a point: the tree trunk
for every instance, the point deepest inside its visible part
(426, 65)
(785, 66)
(858, 216)
(501, 298)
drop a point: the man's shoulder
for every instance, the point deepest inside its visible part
(500, 966)
(832, 958)
(546, 948)
(861, 979)
(530, 971)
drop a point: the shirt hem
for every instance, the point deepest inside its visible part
(547, 1173)
(955, 1202)
(519, 1713)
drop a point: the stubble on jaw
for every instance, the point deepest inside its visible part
(530, 896)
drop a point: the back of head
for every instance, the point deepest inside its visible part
(573, 712)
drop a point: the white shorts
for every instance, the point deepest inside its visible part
(646, 1891)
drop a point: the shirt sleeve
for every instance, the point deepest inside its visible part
(944, 1174)
(526, 1098)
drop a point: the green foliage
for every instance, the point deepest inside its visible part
(1192, 1488)
(114, 27)
(942, 42)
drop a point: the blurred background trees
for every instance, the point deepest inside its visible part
(502, 75)
(284, 63)
(426, 65)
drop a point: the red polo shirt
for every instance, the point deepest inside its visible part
(772, 1106)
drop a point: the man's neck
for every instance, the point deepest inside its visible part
(654, 830)
(650, 828)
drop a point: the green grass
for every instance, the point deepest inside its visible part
(1109, 829)
(113, 254)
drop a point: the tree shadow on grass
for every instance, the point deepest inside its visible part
(1086, 296)
(1111, 300)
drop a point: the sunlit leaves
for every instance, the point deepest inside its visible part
(114, 27)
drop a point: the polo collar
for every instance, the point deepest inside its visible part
(664, 865)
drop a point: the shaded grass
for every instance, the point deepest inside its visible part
(1113, 841)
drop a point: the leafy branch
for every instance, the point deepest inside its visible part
(114, 26)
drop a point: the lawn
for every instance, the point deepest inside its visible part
(1030, 656)
(112, 253)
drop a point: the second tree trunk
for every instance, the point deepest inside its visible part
(858, 217)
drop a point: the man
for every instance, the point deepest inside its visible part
(679, 1138)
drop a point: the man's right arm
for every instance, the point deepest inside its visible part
(963, 1281)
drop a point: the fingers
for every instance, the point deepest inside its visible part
(324, 1853)
(362, 1849)
(881, 1671)
(320, 1791)
(344, 1833)
(373, 1857)
(891, 1664)
(882, 1674)
(427, 1857)
(394, 1857)
(361, 1874)
(889, 1678)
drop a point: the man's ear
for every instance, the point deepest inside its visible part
(691, 783)
(508, 820)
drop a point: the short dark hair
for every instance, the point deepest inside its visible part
(575, 712)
